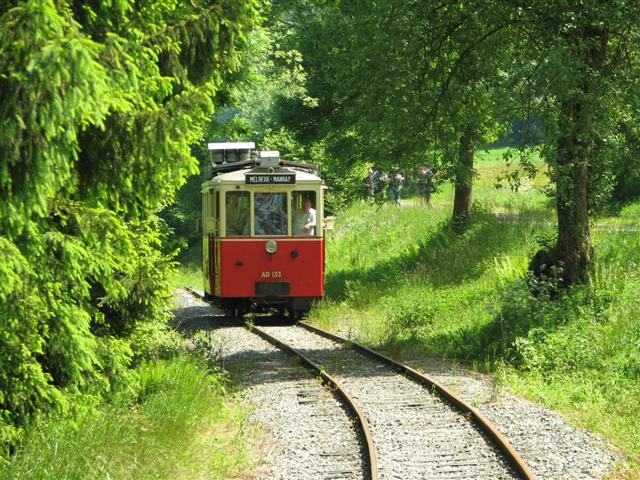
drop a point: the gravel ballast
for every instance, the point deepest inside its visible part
(309, 434)
(417, 435)
(551, 447)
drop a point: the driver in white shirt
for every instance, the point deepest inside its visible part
(304, 223)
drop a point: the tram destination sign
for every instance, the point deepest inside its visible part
(270, 178)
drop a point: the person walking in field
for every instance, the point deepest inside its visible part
(424, 184)
(381, 186)
(420, 181)
(369, 183)
(395, 184)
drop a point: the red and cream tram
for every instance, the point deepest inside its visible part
(263, 241)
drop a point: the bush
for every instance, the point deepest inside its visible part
(72, 300)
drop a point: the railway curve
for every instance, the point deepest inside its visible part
(419, 428)
(415, 426)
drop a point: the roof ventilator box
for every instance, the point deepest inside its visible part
(229, 152)
(270, 159)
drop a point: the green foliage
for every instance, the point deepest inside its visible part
(181, 423)
(408, 81)
(394, 84)
(65, 323)
(99, 105)
(400, 279)
(255, 99)
(626, 167)
(53, 86)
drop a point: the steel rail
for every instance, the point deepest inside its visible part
(483, 422)
(337, 387)
(327, 379)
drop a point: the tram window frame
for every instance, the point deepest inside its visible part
(210, 218)
(216, 203)
(211, 202)
(203, 217)
(298, 196)
(246, 229)
(284, 222)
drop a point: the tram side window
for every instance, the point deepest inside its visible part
(210, 204)
(270, 213)
(237, 214)
(303, 206)
(209, 208)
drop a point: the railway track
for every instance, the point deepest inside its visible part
(411, 426)
(336, 386)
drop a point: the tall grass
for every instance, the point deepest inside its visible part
(181, 424)
(187, 275)
(401, 279)
(189, 272)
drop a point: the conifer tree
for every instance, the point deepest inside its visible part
(99, 105)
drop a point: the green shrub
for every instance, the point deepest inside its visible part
(68, 309)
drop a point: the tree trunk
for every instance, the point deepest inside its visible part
(573, 252)
(464, 179)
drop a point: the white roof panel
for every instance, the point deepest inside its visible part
(269, 154)
(231, 146)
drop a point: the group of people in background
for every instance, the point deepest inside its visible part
(379, 182)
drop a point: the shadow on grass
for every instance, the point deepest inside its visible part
(443, 259)
(519, 322)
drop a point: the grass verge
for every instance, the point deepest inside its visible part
(400, 279)
(182, 424)
(189, 272)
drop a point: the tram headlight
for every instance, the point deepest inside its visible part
(271, 246)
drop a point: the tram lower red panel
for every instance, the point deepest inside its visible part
(297, 261)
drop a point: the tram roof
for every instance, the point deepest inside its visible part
(238, 177)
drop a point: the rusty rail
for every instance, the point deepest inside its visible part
(337, 387)
(500, 440)
(328, 380)
(481, 421)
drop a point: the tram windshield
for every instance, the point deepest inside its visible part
(237, 214)
(270, 213)
(303, 208)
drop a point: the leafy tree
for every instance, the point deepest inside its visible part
(252, 101)
(465, 45)
(99, 104)
(398, 79)
(582, 58)
(396, 82)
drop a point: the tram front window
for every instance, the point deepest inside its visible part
(237, 214)
(303, 208)
(270, 213)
